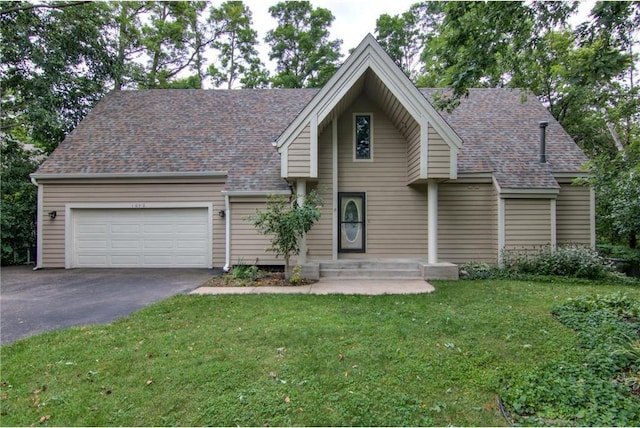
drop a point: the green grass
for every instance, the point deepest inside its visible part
(435, 359)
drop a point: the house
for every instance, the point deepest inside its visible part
(167, 178)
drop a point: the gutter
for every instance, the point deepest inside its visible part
(130, 175)
(227, 193)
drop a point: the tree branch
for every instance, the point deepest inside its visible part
(42, 6)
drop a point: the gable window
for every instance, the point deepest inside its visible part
(363, 141)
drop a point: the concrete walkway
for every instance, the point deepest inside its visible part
(333, 286)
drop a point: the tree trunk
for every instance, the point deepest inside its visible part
(287, 269)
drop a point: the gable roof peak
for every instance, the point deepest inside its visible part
(369, 54)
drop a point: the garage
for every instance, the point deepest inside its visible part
(139, 237)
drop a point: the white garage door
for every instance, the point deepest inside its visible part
(151, 237)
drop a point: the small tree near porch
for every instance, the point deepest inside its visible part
(287, 222)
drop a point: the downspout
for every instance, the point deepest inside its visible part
(38, 224)
(227, 234)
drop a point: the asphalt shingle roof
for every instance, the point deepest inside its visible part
(177, 131)
(500, 129)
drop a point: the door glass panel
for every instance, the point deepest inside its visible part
(352, 226)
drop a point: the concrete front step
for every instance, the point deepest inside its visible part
(382, 269)
(369, 269)
(369, 273)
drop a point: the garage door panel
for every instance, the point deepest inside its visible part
(152, 237)
(191, 243)
(189, 228)
(93, 260)
(159, 228)
(125, 244)
(91, 244)
(92, 228)
(187, 259)
(125, 260)
(125, 228)
(158, 244)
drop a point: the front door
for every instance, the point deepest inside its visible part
(351, 230)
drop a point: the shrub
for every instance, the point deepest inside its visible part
(477, 270)
(245, 272)
(296, 275)
(571, 260)
(598, 388)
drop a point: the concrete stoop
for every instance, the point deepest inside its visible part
(379, 269)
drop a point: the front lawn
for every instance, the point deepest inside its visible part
(280, 360)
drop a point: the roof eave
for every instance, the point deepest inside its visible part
(89, 176)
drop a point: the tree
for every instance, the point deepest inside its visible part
(125, 42)
(236, 44)
(479, 43)
(173, 42)
(287, 223)
(54, 66)
(402, 38)
(305, 57)
(616, 181)
(18, 200)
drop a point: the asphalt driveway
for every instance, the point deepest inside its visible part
(33, 302)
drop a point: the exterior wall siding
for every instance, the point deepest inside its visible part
(467, 223)
(247, 245)
(527, 223)
(56, 194)
(320, 237)
(573, 216)
(439, 162)
(413, 152)
(396, 214)
(299, 155)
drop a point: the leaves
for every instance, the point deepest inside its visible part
(305, 57)
(287, 222)
(18, 200)
(236, 43)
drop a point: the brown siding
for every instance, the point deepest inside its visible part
(527, 223)
(299, 152)
(573, 216)
(396, 214)
(319, 238)
(247, 245)
(467, 223)
(58, 193)
(439, 161)
(413, 152)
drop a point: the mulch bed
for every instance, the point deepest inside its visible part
(267, 279)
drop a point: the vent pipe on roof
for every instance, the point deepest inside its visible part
(543, 141)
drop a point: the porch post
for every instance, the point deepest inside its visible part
(227, 234)
(432, 212)
(334, 190)
(554, 230)
(301, 191)
(502, 237)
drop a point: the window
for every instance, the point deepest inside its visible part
(363, 147)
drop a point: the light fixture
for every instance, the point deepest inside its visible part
(221, 213)
(52, 214)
